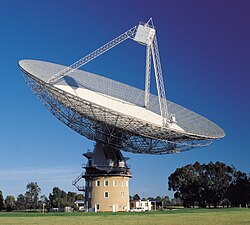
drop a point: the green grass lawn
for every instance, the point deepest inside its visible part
(170, 217)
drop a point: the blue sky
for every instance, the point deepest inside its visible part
(205, 54)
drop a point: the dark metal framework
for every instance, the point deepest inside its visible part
(101, 124)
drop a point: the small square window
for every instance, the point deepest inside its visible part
(98, 183)
(106, 183)
(106, 194)
(115, 183)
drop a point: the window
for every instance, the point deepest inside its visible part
(90, 184)
(115, 183)
(106, 194)
(122, 194)
(90, 195)
(106, 183)
(97, 206)
(98, 183)
(122, 183)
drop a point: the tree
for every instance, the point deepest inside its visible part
(201, 184)
(44, 203)
(32, 195)
(185, 181)
(216, 179)
(71, 198)
(151, 199)
(136, 197)
(159, 202)
(10, 202)
(166, 201)
(80, 197)
(176, 202)
(20, 202)
(58, 198)
(239, 190)
(1, 201)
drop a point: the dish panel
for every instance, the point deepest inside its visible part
(122, 99)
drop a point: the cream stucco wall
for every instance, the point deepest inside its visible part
(117, 191)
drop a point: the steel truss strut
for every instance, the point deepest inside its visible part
(144, 33)
(67, 108)
(128, 34)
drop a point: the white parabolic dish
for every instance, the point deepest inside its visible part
(99, 100)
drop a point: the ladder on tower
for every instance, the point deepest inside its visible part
(75, 182)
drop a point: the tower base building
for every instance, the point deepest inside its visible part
(107, 178)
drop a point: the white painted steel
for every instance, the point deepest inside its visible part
(147, 76)
(128, 34)
(145, 34)
(159, 83)
(122, 94)
(118, 105)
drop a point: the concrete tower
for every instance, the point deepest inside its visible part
(106, 179)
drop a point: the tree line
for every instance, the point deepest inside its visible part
(211, 184)
(32, 200)
(159, 201)
(202, 185)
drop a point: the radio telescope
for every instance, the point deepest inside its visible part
(115, 115)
